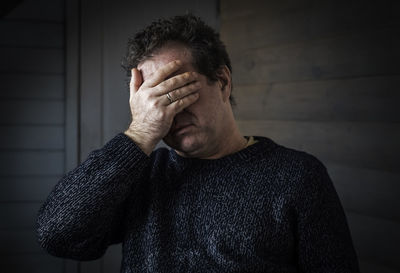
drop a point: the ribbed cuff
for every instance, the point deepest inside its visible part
(126, 153)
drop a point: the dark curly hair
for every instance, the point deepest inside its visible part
(208, 51)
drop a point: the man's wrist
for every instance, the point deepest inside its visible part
(146, 146)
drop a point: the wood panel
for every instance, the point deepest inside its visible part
(32, 137)
(234, 9)
(363, 145)
(368, 267)
(32, 118)
(19, 241)
(112, 259)
(37, 263)
(91, 74)
(28, 86)
(32, 60)
(286, 22)
(367, 191)
(17, 163)
(31, 34)
(72, 53)
(331, 11)
(31, 112)
(373, 52)
(354, 99)
(91, 266)
(19, 215)
(26, 188)
(38, 10)
(376, 240)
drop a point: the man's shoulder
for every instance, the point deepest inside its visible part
(285, 157)
(291, 169)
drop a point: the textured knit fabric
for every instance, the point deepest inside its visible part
(266, 208)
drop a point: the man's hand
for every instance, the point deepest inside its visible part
(151, 108)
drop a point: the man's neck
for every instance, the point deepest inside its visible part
(232, 145)
(228, 144)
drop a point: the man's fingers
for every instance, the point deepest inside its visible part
(136, 80)
(161, 74)
(176, 82)
(183, 91)
(179, 105)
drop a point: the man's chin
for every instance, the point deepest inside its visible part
(183, 144)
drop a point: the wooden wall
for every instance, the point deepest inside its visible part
(32, 124)
(323, 76)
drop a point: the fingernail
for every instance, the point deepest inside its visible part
(178, 62)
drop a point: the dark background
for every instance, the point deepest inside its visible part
(320, 76)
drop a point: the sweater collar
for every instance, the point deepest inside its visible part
(253, 152)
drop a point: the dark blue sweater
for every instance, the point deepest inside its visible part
(266, 208)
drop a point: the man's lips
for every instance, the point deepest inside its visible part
(182, 121)
(181, 127)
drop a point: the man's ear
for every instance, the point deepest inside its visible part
(225, 82)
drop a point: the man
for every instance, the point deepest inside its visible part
(215, 202)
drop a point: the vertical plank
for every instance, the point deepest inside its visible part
(91, 87)
(112, 259)
(72, 28)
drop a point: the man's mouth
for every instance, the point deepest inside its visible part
(181, 128)
(182, 123)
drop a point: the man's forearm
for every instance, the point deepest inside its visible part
(85, 207)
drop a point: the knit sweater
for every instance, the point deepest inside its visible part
(266, 208)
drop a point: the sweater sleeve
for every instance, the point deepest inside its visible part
(324, 240)
(83, 214)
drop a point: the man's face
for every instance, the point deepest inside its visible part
(198, 130)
